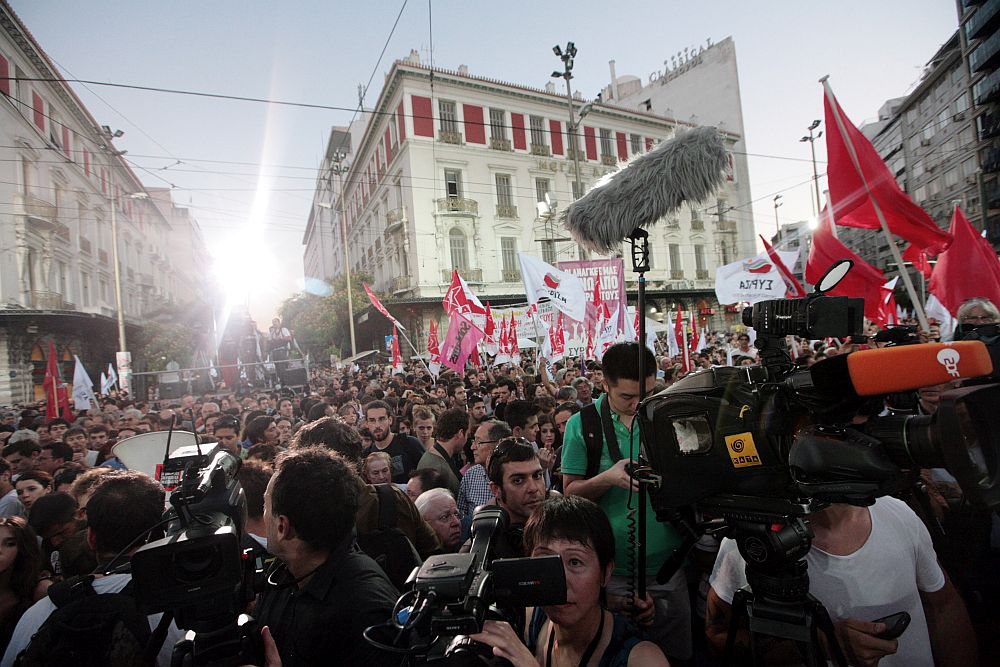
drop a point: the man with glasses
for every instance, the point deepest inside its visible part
(474, 489)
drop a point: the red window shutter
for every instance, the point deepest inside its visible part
(65, 137)
(423, 120)
(86, 162)
(622, 146)
(387, 140)
(555, 129)
(649, 144)
(517, 122)
(5, 76)
(401, 119)
(475, 130)
(38, 105)
(590, 139)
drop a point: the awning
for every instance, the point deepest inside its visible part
(357, 357)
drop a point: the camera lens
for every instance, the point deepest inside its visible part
(909, 441)
(194, 566)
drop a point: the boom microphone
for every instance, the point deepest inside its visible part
(896, 369)
(688, 167)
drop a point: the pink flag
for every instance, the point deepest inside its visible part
(380, 308)
(461, 340)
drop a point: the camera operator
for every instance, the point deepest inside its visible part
(122, 507)
(865, 563)
(667, 609)
(582, 630)
(324, 592)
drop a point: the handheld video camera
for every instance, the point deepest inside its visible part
(452, 595)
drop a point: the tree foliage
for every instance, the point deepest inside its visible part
(159, 343)
(320, 322)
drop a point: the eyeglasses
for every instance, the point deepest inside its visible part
(507, 444)
(480, 443)
(447, 516)
(977, 319)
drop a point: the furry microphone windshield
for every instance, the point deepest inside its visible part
(688, 167)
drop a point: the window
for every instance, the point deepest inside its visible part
(911, 116)
(699, 258)
(962, 103)
(944, 117)
(85, 289)
(449, 120)
(918, 169)
(104, 291)
(398, 187)
(508, 257)
(951, 177)
(498, 124)
(459, 249)
(63, 280)
(967, 137)
(969, 167)
(549, 252)
(934, 187)
(607, 146)
(537, 130)
(505, 192)
(542, 187)
(928, 132)
(453, 183)
(675, 257)
(636, 142)
(29, 175)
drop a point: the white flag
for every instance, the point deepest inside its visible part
(104, 382)
(83, 387)
(607, 335)
(112, 380)
(562, 288)
(752, 280)
(946, 322)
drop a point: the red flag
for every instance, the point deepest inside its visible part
(380, 308)
(887, 304)
(858, 179)
(433, 349)
(795, 289)
(397, 358)
(560, 341)
(679, 337)
(52, 384)
(918, 258)
(460, 298)
(490, 325)
(694, 333)
(863, 280)
(967, 269)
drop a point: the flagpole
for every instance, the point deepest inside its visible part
(416, 354)
(917, 306)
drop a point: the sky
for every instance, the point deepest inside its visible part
(247, 169)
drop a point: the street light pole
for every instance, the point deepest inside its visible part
(567, 57)
(124, 357)
(340, 168)
(777, 226)
(812, 148)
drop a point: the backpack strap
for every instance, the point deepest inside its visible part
(386, 506)
(74, 588)
(591, 422)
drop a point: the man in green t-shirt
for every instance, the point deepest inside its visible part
(666, 611)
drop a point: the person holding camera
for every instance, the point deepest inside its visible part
(324, 591)
(581, 631)
(600, 441)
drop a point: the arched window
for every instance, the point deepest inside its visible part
(459, 249)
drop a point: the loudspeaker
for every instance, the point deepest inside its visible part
(292, 373)
(171, 390)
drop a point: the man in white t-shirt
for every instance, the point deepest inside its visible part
(865, 563)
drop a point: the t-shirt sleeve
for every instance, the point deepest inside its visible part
(930, 576)
(729, 573)
(574, 449)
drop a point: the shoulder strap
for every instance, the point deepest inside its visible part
(590, 420)
(74, 588)
(609, 432)
(386, 506)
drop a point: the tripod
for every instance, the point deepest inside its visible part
(777, 603)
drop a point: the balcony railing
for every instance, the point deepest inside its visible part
(991, 160)
(85, 245)
(60, 230)
(701, 274)
(697, 225)
(394, 220)
(450, 137)
(676, 274)
(39, 208)
(457, 205)
(727, 226)
(400, 284)
(541, 150)
(673, 224)
(102, 256)
(49, 301)
(985, 55)
(469, 275)
(511, 275)
(984, 20)
(501, 145)
(986, 89)
(507, 211)
(609, 160)
(575, 154)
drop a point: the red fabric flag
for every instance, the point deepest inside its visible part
(857, 177)
(51, 384)
(490, 324)
(918, 258)
(679, 336)
(694, 333)
(397, 357)
(863, 280)
(967, 269)
(380, 308)
(433, 349)
(460, 298)
(887, 305)
(560, 341)
(795, 288)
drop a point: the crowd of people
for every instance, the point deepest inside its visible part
(351, 486)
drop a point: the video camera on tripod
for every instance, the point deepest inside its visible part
(763, 447)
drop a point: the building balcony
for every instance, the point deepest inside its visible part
(50, 301)
(992, 197)
(986, 56)
(501, 145)
(394, 220)
(60, 230)
(469, 275)
(985, 21)
(727, 226)
(989, 125)
(400, 284)
(701, 274)
(609, 160)
(575, 154)
(697, 225)
(511, 275)
(458, 205)
(676, 274)
(541, 150)
(991, 160)
(987, 89)
(507, 211)
(102, 256)
(85, 246)
(450, 137)
(672, 224)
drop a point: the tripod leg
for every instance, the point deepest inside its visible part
(822, 623)
(741, 601)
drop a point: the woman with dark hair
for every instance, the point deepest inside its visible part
(318, 411)
(261, 430)
(20, 564)
(581, 631)
(31, 486)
